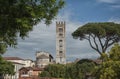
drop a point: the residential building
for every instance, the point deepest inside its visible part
(18, 63)
(14, 59)
(29, 63)
(43, 59)
(60, 43)
(16, 70)
(29, 72)
(26, 62)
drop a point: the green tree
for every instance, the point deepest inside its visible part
(114, 53)
(45, 74)
(6, 67)
(79, 70)
(54, 70)
(99, 35)
(110, 69)
(69, 71)
(86, 67)
(17, 18)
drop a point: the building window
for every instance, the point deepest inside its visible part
(61, 46)
(60, 51)
(61, 34)
(60, 40)
(60, 29)
(24, 72)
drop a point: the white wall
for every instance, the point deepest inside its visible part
(16, 70)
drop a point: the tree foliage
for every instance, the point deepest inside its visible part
(54, 70)
(114, 53)
(17, 18)
(69, 71)
(6, 67)
(86, 67)
(99, 35)
(110, 69)
(73, 71)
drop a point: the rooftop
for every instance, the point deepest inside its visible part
(18, 63)
(12, 58)
(32, 68)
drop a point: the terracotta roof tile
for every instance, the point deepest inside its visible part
(12, 58)
(43, 56)
(37, 69)
(32, 68)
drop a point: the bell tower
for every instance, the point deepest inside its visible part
(60, 43)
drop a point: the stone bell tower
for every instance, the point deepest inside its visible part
(60, 43)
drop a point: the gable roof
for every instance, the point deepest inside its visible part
(39, 54)
(43, 56)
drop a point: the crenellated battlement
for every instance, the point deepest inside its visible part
(60, 22)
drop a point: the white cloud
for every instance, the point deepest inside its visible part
(27, 43)
(108, 1)
(114, 19)
(116, 6)
(112, 4)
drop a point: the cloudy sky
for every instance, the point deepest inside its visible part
(75, 13)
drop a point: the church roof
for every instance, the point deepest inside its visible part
(43, 56)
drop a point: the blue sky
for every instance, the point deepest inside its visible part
(93, 10)
(75, 13)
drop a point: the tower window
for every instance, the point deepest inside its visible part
(60, 40)
(60, 29)
(60, 51)
(61, 46)
(60, 34)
